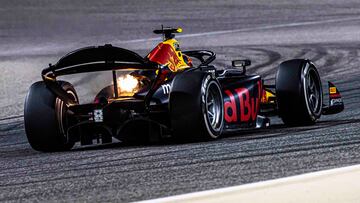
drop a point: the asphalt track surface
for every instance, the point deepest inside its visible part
(35, 33)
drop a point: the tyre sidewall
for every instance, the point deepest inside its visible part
(187, 107)
(207, 82)
(313, 116)
(291, 90)
(40, 118)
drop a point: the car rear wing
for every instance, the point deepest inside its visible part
(93, 59)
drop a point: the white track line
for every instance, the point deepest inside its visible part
(247, 29)
(221, 193)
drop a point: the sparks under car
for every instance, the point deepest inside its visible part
(166, 96)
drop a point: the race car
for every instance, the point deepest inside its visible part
(165, 96)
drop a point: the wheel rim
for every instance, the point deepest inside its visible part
(61, 109)
(213, 106)
(313, 91)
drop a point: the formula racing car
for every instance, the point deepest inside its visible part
(166, 96)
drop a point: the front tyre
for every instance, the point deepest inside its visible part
(298, 92)
(46, 121)
(196, 107)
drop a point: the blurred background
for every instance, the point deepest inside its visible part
(38, 32)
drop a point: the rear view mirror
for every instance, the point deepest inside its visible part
(241, 63)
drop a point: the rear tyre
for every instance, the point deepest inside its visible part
(196, 107)
(298, 92)
(105, 94)
(46, 122)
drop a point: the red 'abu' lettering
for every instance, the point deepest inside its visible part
(230, 105)
(244, 103)
(249, 106)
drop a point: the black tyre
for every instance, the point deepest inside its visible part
(105, 94)
(196, 107)
(298, 92)
(45, 118)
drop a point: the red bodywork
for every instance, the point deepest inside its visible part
(164, 54)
